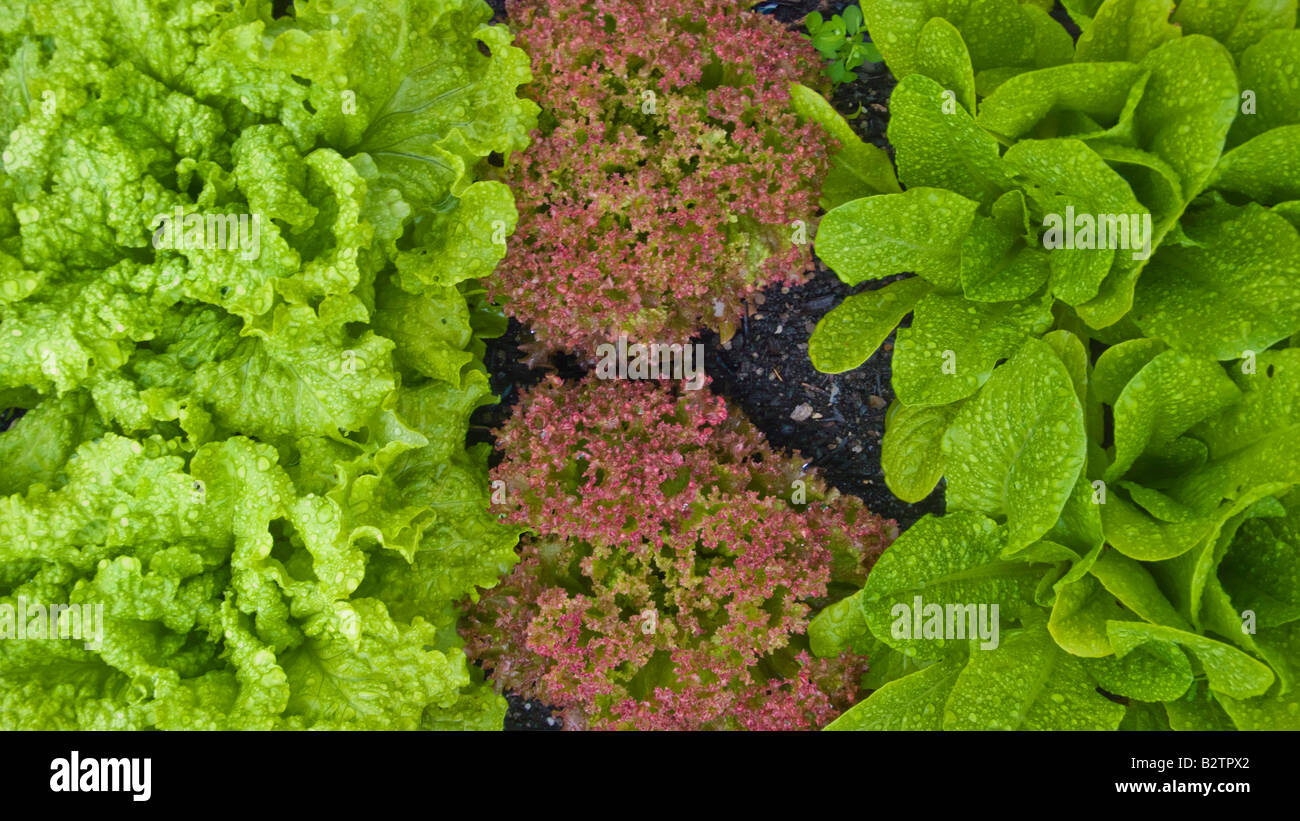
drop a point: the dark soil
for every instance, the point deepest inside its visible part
(835, 421)
(1060, 15)
(8, 416)
(509, 374)
(522, 714)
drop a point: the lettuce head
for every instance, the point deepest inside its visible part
(239, 318)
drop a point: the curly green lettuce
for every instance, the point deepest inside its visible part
(239, 307)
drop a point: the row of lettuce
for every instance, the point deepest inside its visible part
(244, 297)
(257, 463)
(1117, 422)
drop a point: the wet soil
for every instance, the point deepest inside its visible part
(835, 421)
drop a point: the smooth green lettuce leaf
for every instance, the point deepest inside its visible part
(858, 169)
(1265, 169)
(911, 452)
(1189, 105)
(1155, 671)
(954, 560)
(1236, 290)
(1028, 683)
(1274, 710)
(1066, 174)
(1130, 583)
(953, 345)
(1139, 535)
(1235, 23)
(1016, 450)
(1079, 617)
(942, 56)
(840, 627)
(1126, 30)
(1168, 396)
(918, 230)
(1198, 710)
(853, 330)
(1000, 258)
(913, 702)
(1261, 569)
(1228, 670)
(937, 144)
(1268, 71)
(1098, 90)
(1000, 34)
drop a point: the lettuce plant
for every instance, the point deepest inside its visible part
(672, 564)
(840, 40)
(669, 178)
(253, 459)
(1117, 420)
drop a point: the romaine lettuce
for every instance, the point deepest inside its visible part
(1118, 423)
